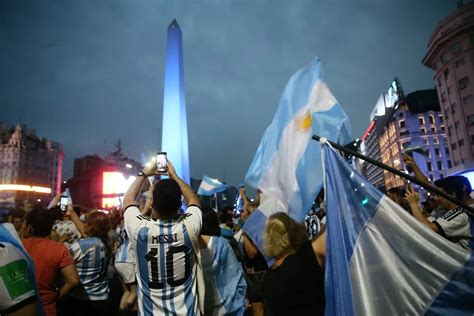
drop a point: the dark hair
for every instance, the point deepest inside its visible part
(227, 208)
(398, 191)
(167, 197)
(210, 222)
(41, 220)
(225, 218)
(465, 184)
(452, 185)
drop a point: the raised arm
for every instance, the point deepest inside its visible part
(412, 197)
(130, 196)
(245, 200)
(148, 202)
(409, 161)
(319, 247)
(189, 196)
(75, 219)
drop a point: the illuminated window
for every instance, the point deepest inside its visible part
(402, 124)
(435, 140)
(423, 130)
(433, 129)
(422, 120)
(432, 120)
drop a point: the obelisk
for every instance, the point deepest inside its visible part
(175, 127)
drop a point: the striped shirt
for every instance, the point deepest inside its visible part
(456, 226)
(92, 261)
(166, 268)
(124, 252)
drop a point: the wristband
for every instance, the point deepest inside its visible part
(141, 174)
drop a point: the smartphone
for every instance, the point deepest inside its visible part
(63, 203)
(161, 162)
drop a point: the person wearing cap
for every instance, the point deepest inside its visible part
(453, 224)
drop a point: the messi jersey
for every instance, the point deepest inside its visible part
(124, 253)
(166, 267)
(92, 262)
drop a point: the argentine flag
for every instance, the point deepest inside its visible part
(210, 186)
(287, 164)
(382, 261)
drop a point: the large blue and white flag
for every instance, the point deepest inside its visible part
(210, 186)
(287, 165)
(380, 260)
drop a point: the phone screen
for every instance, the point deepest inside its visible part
(161, 162)
(63, 203)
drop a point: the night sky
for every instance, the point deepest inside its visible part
(86, 73)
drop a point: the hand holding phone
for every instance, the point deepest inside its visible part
(161, 163)
(63, 203)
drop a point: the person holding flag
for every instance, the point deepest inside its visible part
(380, 260)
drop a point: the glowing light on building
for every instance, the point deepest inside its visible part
(175, 129)
(114, 184)
(27, 188)
(129, 166)
(369, 129)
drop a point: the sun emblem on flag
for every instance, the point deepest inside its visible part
(304, 122)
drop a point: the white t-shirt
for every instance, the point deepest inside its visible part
(166, 268)
(456, 226)
(16, 285)
(67, 227)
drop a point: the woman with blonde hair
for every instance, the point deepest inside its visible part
(295, 282)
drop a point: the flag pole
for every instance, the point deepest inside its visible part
(467, 209)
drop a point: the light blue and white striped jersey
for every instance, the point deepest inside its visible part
(166, 268)
(92, 261)
(123, 252)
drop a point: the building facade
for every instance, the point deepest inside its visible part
(371, 148)
(102, 182)
(415, 127)
(30, 167)
(451, 56)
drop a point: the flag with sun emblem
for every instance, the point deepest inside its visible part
(287, 165)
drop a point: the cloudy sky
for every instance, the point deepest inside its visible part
(86, 73)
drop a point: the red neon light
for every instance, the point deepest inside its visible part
(369, 129)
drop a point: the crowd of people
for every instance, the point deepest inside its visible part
(164, 254)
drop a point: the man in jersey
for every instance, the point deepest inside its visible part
(454, 224)
(166, 266)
